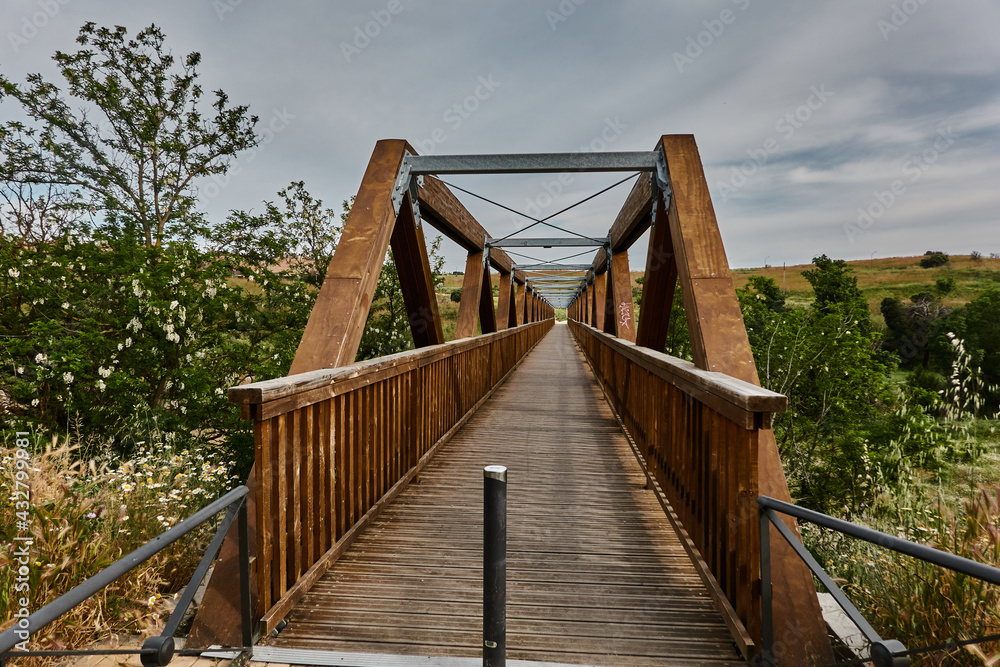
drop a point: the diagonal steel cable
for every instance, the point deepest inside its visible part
(542, 221)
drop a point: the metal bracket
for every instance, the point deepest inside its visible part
(415, 183)
(406, 182)
(402, 183)
(659, 181)
(661, 175)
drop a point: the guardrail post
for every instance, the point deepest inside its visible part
(766, 609)
(494, 566)
(245, 612)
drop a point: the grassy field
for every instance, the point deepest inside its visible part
(899, 277)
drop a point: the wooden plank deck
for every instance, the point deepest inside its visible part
(596, 574)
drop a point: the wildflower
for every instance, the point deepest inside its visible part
(68, 378)
(101, 386)
(13, 273)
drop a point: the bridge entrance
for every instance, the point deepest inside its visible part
(598, 561)
(596, 573)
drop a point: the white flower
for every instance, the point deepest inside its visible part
(104, 372)
(100, 385)
(41, 359)
(68, 378)
(65, 305)
(34, 402)
(14, 273)
(20, 370)
(173, 304)
(128, 342)
(134, 324)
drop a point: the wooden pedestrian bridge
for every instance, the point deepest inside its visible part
(632, 475)
(647, 520)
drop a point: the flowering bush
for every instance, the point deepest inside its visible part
(108, 332)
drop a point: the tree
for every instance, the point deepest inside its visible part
(131, 144)
(977, 325)
(911, 327)
(35, 212)
(387, 329)
(824, 359)
(833, 282)
(313, 229)
(118, 302)
(933, 258)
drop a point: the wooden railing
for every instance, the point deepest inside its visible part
(333, 447)
(696, 432)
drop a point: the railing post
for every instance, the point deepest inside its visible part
(245, 613)
(766, 610)
(494, 566)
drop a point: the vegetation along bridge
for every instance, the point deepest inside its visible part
(633, 476)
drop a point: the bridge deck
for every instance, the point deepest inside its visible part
(596, 574)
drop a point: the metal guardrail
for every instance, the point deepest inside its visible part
(882, 652)
(157, 650)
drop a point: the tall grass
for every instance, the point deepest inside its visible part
(918, 603)
(86, 514)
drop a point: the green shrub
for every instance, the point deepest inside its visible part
(933, 258)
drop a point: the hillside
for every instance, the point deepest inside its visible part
(899, 277)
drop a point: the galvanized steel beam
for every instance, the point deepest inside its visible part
(552, 267)
(531, 163)
(562, 242)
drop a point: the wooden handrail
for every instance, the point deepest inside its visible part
(334, 447)
(696, 433)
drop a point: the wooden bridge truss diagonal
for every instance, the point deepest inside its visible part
(337, 442)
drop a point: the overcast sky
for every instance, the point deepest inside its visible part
(854, 128)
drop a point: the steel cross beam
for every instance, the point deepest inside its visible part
(531, 163)
(564, 242)
(552, 267)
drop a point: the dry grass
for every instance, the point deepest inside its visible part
(83, 517)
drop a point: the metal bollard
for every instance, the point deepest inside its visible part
(494, 566)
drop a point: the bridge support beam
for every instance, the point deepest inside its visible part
(415, 280)
(505, 301)
(619, 308)
(477, 299)
(658, 285)
(719, 343)
(596, 314)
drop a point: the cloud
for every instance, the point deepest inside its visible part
(890, 93)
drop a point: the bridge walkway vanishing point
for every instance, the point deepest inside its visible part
(596, 573)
